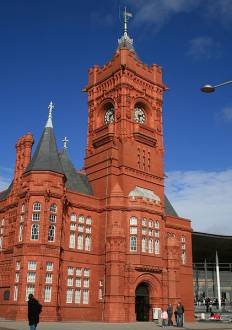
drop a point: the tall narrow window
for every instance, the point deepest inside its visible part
(20, 232)
(85, 296)
(69, 296)
(77, 296)
(72, 240)
(30, 289)
(48, 278)
(80, 241)
(73, 217)
(16, 291)
(150, 245)
(35, 216)
(133, 243)
(1, 243)
(17, 266)
(53, 208)
(157, 225)
(47, 293)
(31, 277)
(144, 244)
(51, 233)
(157, 246)
(49, 266)
(87, 243)
(34, 232)
(16, 277)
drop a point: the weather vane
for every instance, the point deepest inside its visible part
(65, 140)
(126, 15)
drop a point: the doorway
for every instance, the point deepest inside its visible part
(142, 305)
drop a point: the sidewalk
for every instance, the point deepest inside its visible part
(18, 325)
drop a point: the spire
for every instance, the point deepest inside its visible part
(50, 108)
(125, 41)
(46, 157)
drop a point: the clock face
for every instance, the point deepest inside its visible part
(139, 115)
(109, 116)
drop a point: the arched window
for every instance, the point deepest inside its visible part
(23, 208)
(87, 242)
(72, 240)
(150, 245)
(51, 233)
(88, 221)
(157, 246)
(73, 217)
(35, 232)
(150, 223)
(53, 208)
(157, 224)
(81, 218)
(21, 232)
(36, 206)
(133, 221)
(144, 222)
(144, 244)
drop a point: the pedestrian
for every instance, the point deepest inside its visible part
(170, 312)
(34, 309)
(164, 318)
(179, 314)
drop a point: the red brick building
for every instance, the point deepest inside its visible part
(105, 243)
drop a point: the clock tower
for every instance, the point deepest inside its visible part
(125, 135)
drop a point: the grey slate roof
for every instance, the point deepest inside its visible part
(5, 193)
(46, 156)
(74, 181)
(169, 209)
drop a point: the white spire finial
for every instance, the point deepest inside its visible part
(50, 108)
(126, 15)
(65, 140)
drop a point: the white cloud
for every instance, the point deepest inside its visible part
(203, 197)
(227, 113)
(203, 47)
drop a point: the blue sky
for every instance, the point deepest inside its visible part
(47, 47)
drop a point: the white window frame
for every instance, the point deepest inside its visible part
(77, 296)
(47, 293)
(144, 245)
(36, 206)
(80, 241)
(34, 232)
(49, 266)
(69, 296)
(31, 276)
(87, 243)
(53, 208)
(133, 221)
(72, 240)
(32, 265)
(133, 243)
(48, 278)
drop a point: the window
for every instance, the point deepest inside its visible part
(157, 224)
(77, 296)
(47, 293)
(49, 266)
(73, 226)
(150, 245)
(133, 221)
(144, 222)
(100, 294)
(88, 230)
(183, 257)
(35, 232)
(81, 228)
(35, 216)
(144, 231)
(53, 208)
(17, 265)
(156, 233)
(31, 277)
(48, 278)
(70, 270)
(80, 241)
(86, 283)
(133, 230)
(16, 291)
(150, 223)
(87, 243)
(81, 219)
(30, 289)
(183, 250)
(182, 239)
(1, 243)
(150, 232)
(144, 244)
(69, 296)
(157, 246)
(51, 233)
(20, 232)
(16, 277)
(85, 296)
(52, 217)
(23, 208)
(78, 271)
(21, 218)
(70, 281)
(36, 206)
(133, 243)
(78, 282)
(86, 272)
(32, 265)
(72, 240)
(73, 217)
(88, 221)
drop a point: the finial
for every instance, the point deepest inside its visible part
(50, 108)
(126, 15)
(65, 140)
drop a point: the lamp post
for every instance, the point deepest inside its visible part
(210, 89)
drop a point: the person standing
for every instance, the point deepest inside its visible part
(34, 309)
(164, 318)
(170, 312)
(179, 315)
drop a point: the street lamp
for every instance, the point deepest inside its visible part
(210, 89)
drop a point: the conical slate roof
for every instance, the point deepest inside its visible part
(169, 209)
(74, 181)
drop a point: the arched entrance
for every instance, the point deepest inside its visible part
(142, 302)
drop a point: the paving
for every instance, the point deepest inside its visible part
(19, 325)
